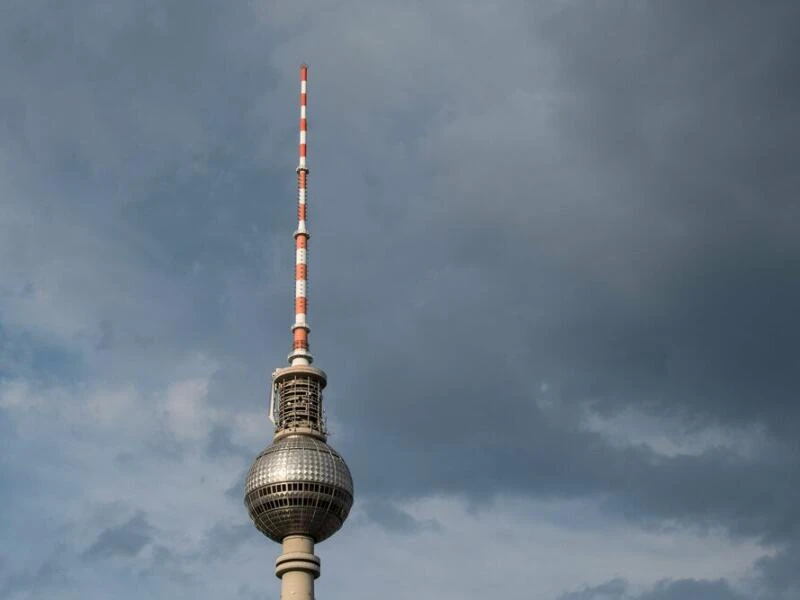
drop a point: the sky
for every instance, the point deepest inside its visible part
(553, 281)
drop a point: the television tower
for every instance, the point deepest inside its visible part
(299, 490)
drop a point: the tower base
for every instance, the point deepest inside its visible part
(297, 568)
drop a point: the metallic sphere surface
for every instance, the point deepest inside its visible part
(298, 485)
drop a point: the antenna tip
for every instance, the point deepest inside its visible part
(304, 66)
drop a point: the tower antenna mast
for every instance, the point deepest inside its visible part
(300, 352)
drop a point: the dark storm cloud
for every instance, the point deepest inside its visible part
(121, 71)
(637, 254)
(698, 106)
(127, 539)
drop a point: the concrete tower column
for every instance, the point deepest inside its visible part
(297, 568)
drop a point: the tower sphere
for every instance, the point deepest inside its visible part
(298, 485)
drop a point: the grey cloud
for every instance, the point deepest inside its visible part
(780, 573)
(396, 520)
(135, 77)
(221, 444)
(223, 539)
(236, 491)
(170, 565)
(682, 589)
(25, 354)
(692, 589)
(126, 540)
(106, 340)
(53, 573)
(615, 589)
(127, 460)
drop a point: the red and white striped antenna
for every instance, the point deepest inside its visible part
(301, 355)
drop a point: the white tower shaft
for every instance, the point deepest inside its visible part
(297, 568)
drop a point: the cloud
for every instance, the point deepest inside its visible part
(396, 520)
(779, 571)
(688, 589)
(614, 589)
(220, 443)
(53, 573)
(125, 540)
(224, 539)
(692, 589)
